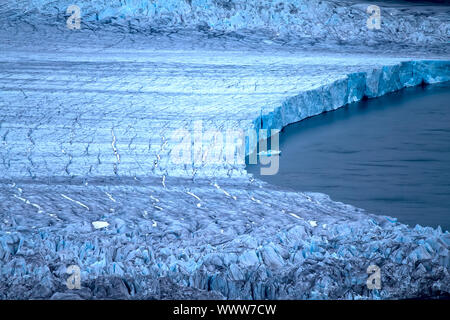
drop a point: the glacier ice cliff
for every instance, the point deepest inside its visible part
(85, 132)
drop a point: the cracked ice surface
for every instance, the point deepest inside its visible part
(335, 22)
(73, 112)
(86, 177)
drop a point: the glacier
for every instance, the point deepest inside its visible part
(86, 127)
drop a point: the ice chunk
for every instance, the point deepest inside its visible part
(100, 224)
(271, 258)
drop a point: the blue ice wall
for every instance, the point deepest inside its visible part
(354, 87)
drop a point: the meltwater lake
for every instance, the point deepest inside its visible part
(389, 155)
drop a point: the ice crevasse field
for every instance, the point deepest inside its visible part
(87, 118)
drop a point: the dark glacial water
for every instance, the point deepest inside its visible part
(389, 155)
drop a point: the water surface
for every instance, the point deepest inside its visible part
(389, 155)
